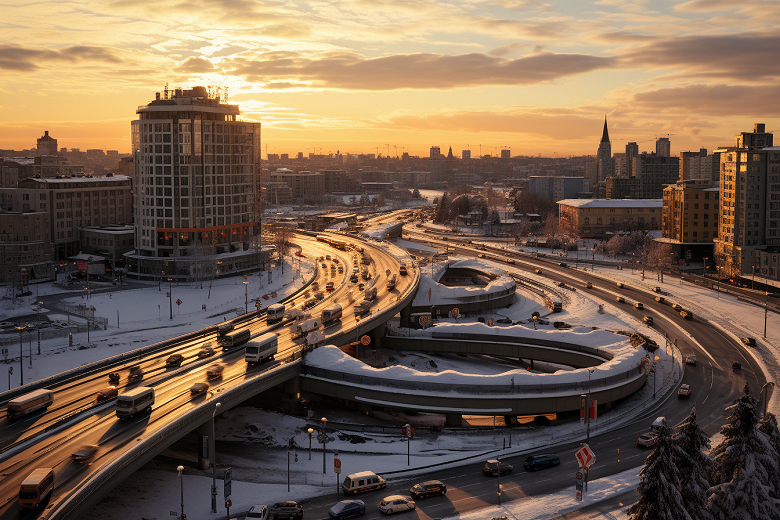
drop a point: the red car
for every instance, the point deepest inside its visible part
(684, 392)
(647, 440)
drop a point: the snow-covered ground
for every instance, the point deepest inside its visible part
(251, 440)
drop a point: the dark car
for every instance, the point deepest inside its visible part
(136, 374)
(543, 461)
(686, 315)
(648, 320)
(347, 508)
(750, 342)
(113, 377)
(289, 509)
(174, 360)
(107, 394)
(429, 488)
(736, 365)
(494, 468)
(562, 264)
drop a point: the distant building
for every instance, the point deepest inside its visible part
(696, 166)
(506, 154)
(465, 155)
(690, 217)
(558, 188)
(25, 247)
(435, 152)
(604, 167)
(596, 218)
(109, 242)
(303, 185)
(73, 203)
(47, 145)
(651, 174)
(632, 150)
(663, 147)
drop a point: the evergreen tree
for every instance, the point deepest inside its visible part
(768, 427)
(443, 209)
(743, 469)
(659, 480)
(694, 466)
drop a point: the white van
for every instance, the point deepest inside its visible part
(135, 401)
(361, 482)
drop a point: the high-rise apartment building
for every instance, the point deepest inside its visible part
(696, 166)
(506, 154)
(197, 186)
(435, 152)
(465, 155)
(749, 228)
(690, 214)
(632, 150)
(663, 147)
(604, 166)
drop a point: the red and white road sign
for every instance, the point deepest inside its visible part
(585, 457)
(365, 340)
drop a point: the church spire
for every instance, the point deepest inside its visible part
(605, 135)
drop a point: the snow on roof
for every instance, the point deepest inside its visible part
(441, 294)
(52, 180)
(626, 358)
(415, 248)
(612, 203)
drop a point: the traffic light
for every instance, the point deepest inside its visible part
(228, 503)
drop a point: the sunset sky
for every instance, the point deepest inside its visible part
(362, 76)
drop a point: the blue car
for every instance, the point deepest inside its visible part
(347, 508)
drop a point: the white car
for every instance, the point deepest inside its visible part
(396, 504)
(260, 512)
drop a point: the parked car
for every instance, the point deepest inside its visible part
(647, 440)
(648, 320)
(347, 508)
(396, 504)
(543, 461)
(198, 388)
(107, 394)
(684, 392)
(495, 467)
(205, 352)
(639, 305)
(429, 488)
(260, 512)
(285, 510)
(174, 360)
(750, 342)
(690, 360)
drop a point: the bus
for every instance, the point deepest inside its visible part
(28, 403)
(234, 339)
(262, 348)
(36, 488)
(135, 401)
(331, 314)
(274, 313)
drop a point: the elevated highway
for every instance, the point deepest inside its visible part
(48, 439)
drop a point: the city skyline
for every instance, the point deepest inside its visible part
(364, 76)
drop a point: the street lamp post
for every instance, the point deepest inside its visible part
(310, 431)
(246, 297)
(587, 412)
(498, 482)
(21, 353)
(718, 268)
(766, 310)
(89, 261)
(592, 257)
(38, 310)
(324, 443)
(10, 371)
(181, 478)
(214, 460)
(655, 373)
(170, 296)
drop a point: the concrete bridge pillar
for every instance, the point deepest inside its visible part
(203, 447)
(453, 419)
(511, 420)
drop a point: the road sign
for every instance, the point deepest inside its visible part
(178, 302)
(490, 322)
(365, 340)
(423, 321)
(578, 475)
(228, 484)
(585, 457)
(337, 465)
(455, 312)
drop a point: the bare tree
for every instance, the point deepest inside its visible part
(281, 236)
